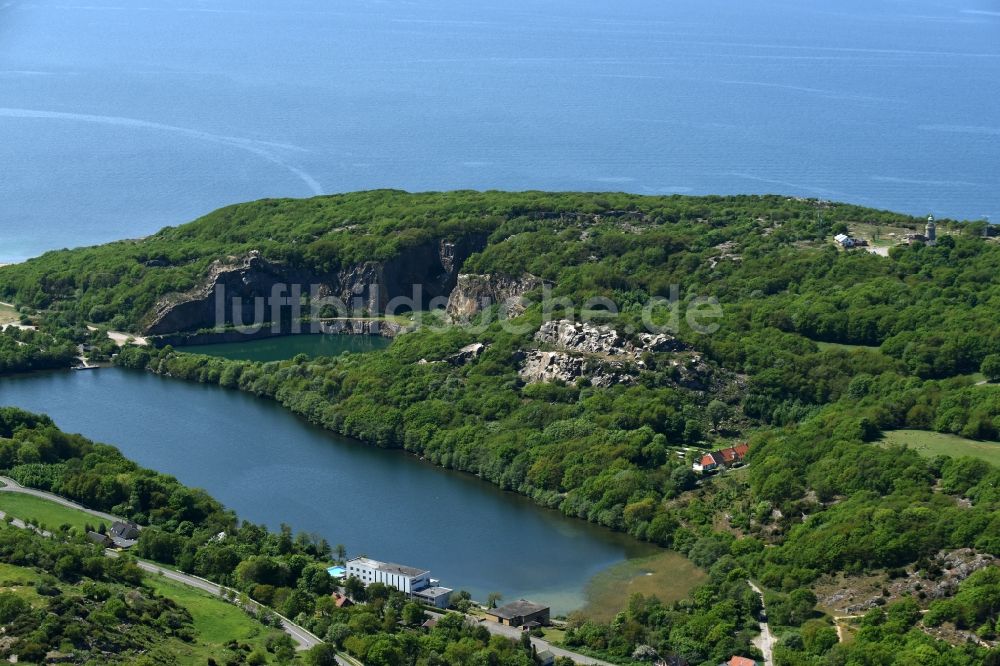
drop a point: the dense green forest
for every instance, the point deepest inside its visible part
(818, 352)
(26, 350)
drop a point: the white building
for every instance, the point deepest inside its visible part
(844, 240)
(416, 583)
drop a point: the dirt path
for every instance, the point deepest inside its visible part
(837, 622)
(765, 641)
(121, 339)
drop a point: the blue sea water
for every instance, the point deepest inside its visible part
(118, 117)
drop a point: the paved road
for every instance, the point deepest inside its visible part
(17, 522)
(12, 486)
(541, 645)
(764, 642)
(303, 638)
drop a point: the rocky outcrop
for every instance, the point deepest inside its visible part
(605, 357)
(467, 354)
(593, 339)
(474, 293)
(859, 594)
(375, 327)
(237, 291)
(549, 366)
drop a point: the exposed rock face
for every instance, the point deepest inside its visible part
(242, 278)
(419, 276)
(592, 339)
(606, 357)
(375, 327)
(474, 293)
(467, 354)
(548, 366)
(858, 597)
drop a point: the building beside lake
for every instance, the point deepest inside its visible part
(414, 582)
(520, 613)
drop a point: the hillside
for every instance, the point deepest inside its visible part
(331, 238)
(814, 355)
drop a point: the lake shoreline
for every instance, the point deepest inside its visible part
(367, 328)
(315, 477)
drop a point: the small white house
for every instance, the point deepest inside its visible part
(844, 240)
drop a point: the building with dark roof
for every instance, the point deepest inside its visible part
(124, 535)
(519, 613)
(102, 540)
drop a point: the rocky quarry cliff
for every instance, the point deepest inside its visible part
(474, 293)
(422, 274)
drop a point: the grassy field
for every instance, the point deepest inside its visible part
(667, 575)
(216, 622)
(21, 581)
(824, 346)
(48, 514)
(8, 315)
(870, 231)
(554, 635)
(931, 444)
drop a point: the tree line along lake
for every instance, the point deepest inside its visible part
(272, 467)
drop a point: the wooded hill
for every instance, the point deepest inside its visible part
(818, 352)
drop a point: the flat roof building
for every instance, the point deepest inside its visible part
(414, 582)
(519, 613)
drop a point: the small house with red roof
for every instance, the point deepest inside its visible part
(739, 661)
(340, 600)
(722, 459)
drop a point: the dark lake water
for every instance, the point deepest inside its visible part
(118, 117)
(289, 346)
(272, 467)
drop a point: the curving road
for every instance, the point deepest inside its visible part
(515, 633)
(12, 486)
(303, 638)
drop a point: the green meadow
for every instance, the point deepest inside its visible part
(48, 514)
(932, 444)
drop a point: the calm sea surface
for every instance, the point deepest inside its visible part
(272, 467)
(118, 117)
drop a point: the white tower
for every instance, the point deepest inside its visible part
(931, 231)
